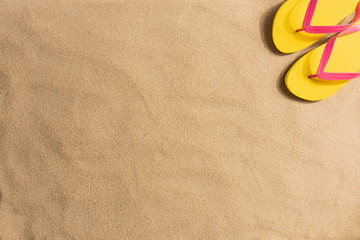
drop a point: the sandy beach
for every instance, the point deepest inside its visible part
(151, 120)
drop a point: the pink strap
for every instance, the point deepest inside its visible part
(326, 56)
(324, 29)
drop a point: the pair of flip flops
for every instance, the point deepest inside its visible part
(323, 71)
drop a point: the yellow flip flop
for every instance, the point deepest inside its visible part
(323, 71)
(300, 23)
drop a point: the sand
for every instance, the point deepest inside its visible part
(129, 119)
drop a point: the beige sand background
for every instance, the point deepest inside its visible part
(166, 120)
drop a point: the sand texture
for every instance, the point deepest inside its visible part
(166, 119)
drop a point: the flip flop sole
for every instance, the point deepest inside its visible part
(290, 17)
(344, 58)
